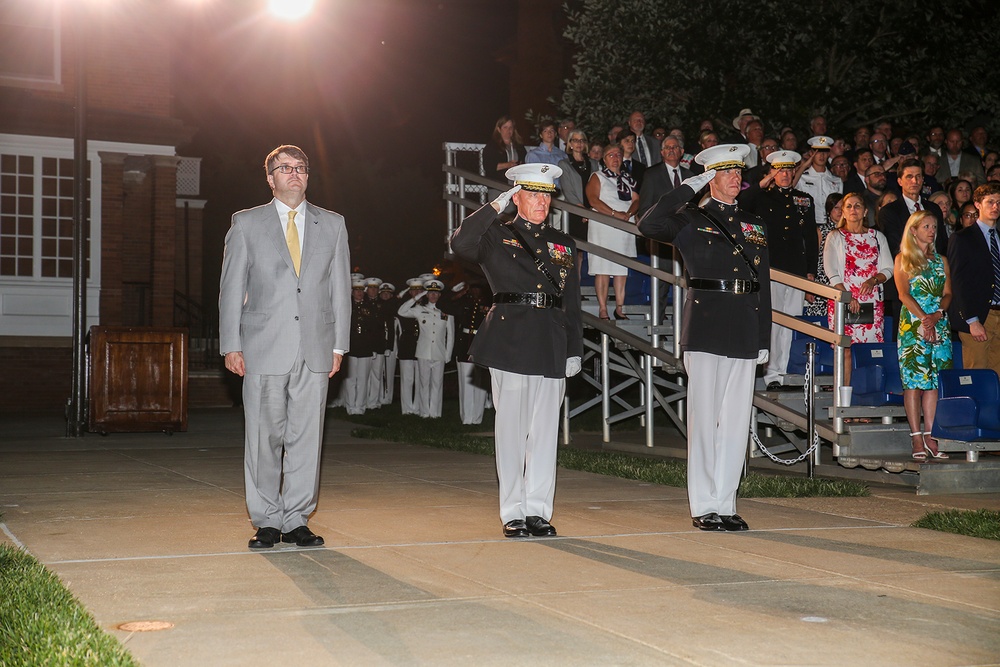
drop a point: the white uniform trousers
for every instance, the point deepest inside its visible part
(527, 436)
(787, 300)
(471, 392)
(356, 384)
(408, 386)
(389, 385)
(284, 438)
(375, 381)
(720, 395)
(430, 380)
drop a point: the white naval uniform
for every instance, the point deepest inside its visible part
(434, 349)
(717, 448)
(819, 184)
(527, 424)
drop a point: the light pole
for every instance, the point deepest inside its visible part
(76, 419)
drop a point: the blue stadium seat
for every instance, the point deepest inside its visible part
(968, 405)
(797, 356)
(875, 374)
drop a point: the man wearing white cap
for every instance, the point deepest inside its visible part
(364, 322)
(793, 246)
(531, 339)
(726, 325)
(434, 347)
(407, 335)
(817, 181)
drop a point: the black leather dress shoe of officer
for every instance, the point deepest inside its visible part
(302, 537)
(734, 522)
(264, 538)
(539, 527)
(515, 528)
(711, 521)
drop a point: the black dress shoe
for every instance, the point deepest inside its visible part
(515, 528)
(302, 537)
(734, 522)
(710, 521)
(539, 527)
(774, 385)
(265, 538)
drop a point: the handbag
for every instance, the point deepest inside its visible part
(865, 315)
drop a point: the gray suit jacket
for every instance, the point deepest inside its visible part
(965, 162)
(267, 312)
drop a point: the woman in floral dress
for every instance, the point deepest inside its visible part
(857, 260)
(924, 335)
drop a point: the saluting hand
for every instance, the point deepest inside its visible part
(501, 202)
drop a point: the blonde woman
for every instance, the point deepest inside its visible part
(924, 336)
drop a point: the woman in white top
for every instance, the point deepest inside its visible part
(857, 260)
(612, 192)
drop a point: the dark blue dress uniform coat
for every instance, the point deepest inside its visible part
(792, 240)
(518, 338)
(721, 323)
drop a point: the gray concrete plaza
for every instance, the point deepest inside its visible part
(415, 571)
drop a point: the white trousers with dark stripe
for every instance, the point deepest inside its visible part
(720, 397)
(527, 434)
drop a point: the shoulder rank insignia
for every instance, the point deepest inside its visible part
(754, 233)
(513, 242)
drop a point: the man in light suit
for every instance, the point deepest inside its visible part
(284, 320)
(954, 160)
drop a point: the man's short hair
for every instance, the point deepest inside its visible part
(294, 152)
(546, 124)
(873, 168)
(861, 151)
(985, 190)
(995, 169)
(909, 163)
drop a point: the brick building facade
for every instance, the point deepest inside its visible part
(145, 239)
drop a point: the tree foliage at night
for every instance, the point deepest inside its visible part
(915, 63)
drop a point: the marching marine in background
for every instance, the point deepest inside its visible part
(358, 362)
(727, 325)
(379, 335)
(793, 246)
(388, 305)
(531, 340)
(407, 334)
(434, 347)
(469, 307)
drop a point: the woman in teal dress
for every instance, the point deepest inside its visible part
(924, 337)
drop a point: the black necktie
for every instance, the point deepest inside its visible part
(677, 177)
(640, 143)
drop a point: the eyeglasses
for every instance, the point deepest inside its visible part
(970, 214)
(287, 169)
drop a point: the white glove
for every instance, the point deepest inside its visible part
(500, 203)
(762, 357)
(573, 365)
(402, 292)
(699, 181)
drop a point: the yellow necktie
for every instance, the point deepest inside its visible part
(292, 238)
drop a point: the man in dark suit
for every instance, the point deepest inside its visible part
(665, 176)
(646, 147)
(856, 180)
(954, 160)
(974, 261)
(284, 319)
(892, 221)
(793, 246)
(727, 325)
(531, 340)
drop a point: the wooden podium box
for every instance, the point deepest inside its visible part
(138, 379)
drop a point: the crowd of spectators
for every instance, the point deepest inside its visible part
(871, 191)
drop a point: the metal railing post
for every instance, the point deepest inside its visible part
(605, 389)
(813, 461)
(838, 368)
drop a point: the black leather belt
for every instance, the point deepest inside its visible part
(533, 299)
(734, 286)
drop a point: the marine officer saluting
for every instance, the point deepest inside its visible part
(793, 246)
(726, 325)
(531, 339)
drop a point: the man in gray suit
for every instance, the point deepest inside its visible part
(284, 325)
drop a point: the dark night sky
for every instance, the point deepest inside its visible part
(369, 89)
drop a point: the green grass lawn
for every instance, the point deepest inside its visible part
(41, 623)
(974, 523)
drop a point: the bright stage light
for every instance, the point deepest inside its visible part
(290, 10)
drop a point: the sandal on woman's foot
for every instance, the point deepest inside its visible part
(929, 451)
(919, 454)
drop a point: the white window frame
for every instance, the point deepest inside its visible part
(49, 83)
(31, 306)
